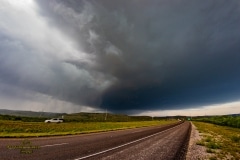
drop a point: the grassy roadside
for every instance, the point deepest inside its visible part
(36, 129)
(231, 121)
(222, 141)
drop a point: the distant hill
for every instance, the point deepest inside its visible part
(234, 114)
(31, 116)
(29, 113)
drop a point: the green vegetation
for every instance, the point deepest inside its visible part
(232, 121)
(23, 119)
(35, 129)
(222, 141)
(25, 126)
(103, 117)
(85, 117)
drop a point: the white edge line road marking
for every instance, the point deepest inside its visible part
(91, 155)
(50, 145)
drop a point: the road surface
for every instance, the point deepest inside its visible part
(158, 142)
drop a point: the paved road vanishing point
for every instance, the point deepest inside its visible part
(149, 143)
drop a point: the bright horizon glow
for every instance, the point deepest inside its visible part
(216, 109)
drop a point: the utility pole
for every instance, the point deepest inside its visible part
(41, 113)
(106, 115)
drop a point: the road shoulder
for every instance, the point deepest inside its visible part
(196, 151)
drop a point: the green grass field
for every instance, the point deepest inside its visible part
(37, 129)
(232, 121)
(222, 141)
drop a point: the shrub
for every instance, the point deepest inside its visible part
(213, 145)
(235, 138)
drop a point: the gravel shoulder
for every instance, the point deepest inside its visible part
(196, 152)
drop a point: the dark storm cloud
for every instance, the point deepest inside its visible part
(169, 54)
(154, 54)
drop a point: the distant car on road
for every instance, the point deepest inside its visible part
(54, 120)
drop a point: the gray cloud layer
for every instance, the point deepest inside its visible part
(129, 55)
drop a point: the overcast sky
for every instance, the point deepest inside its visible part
(146, 57)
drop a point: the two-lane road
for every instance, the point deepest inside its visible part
(158, 142)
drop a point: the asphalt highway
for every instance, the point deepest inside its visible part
(158, 142)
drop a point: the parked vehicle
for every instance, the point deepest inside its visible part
(54, 120)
